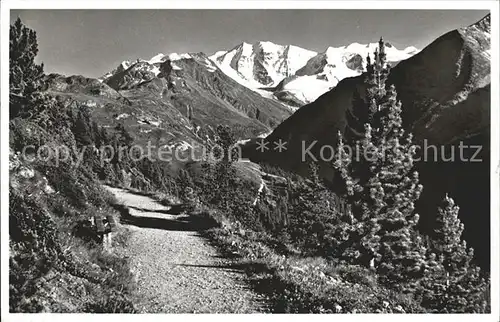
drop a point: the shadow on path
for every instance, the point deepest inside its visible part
(229, 268)
(184, 223)
(240, 267)
(173, 210)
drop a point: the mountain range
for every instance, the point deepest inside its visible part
(185, 96)
(290, 74)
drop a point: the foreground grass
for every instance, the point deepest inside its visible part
(296, 284)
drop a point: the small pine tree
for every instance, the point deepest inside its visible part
(458, 286)
(381, 186)
(185, 180)
(174, 189)
(224, 174)
(225, 140)
(123, 136)
(284, 208)
(374, 79)
(447, 239)
(314, 173)
(82, 128)
(24, 74)
(189, 113)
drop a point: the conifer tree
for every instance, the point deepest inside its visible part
(186, 188)
(224, 174)
(185, 179)
(374, 81)
(225, 139)
(458, 286)
(189, 113)
(24, 74)
(82, 128)
(283, 209)
(314, 173)
(447, 239)
(380, 184)
(123, 136)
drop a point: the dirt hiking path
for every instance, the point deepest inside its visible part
(176, 270)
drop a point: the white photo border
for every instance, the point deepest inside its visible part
(493, 6)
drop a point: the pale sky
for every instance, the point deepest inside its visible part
(93, 42)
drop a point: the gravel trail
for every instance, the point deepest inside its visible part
(176, 270)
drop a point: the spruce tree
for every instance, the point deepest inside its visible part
(123, 136)
(82, 128)
(458, 286)
(380, 183)
(374, 81)
(224, 174)
(24, 74)
(314, 174)
(225, 139)
(447, 239)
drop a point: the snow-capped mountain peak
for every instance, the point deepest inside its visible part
(176, 56)
(125, 64)
(262, 63)
(323, 71)
(157, 59)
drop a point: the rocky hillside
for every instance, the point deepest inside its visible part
(173, 102)
(445, 91)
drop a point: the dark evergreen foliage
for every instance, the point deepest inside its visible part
(24, 74)
(381, 185)
(373, 95)
(382, 188)
(457, 284)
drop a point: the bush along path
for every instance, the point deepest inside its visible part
(177, 270)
